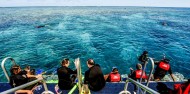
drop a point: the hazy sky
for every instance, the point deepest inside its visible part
(157, 3)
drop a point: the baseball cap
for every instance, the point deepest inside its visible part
(114, 68)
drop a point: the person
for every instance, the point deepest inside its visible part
(183, 88)
(65, 80)
(136, 75)
(162, 68)
(94, 78)
(164, 24)
(40, 26)
(143, 58)
(163, 89)
(19, 77)
(114, 76)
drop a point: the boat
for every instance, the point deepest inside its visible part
(126, 86)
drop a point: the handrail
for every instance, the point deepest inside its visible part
(21, 86)
(125, 89)
(25, 85)
(143, 71)
(149, 90)
(149, 77)
(79, 76)
(3, 66)
(152, 62)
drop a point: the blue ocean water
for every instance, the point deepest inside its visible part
(112, 36)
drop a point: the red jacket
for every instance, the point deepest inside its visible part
(164, 66)
(139, 73)
(115, 77)
(182, 88)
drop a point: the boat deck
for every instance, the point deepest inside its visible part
(110, 88)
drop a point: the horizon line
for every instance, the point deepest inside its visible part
(97, 6)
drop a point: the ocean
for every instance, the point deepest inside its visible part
(113, 36)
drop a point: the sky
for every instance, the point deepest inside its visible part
(151, 3)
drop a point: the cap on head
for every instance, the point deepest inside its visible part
(13, 68)
(114, 69)
(138, 66)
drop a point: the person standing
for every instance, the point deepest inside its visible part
(94, 78)
(65, 80)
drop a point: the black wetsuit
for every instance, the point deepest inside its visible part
(94, 78)
(160, 73)
(64, 74)
(20, 79)
(143, 59)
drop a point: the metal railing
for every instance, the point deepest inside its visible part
(79, 76)
(3, 66)
(24, 85)
(145, 88)
(149, 77)
(150, 74)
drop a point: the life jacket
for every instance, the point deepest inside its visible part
(115, 77)
(182, 88)
(164, 66)
(138, 74)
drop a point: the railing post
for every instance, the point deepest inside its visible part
(144, 68)
(24, 85)
(45, 85)
(126, 84)
(3, 66)
(149, 77)
(125, 88)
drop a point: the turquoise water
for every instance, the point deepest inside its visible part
(112, 36)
